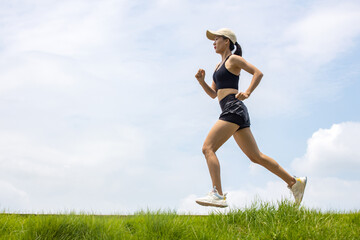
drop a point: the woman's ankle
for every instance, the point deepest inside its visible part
(292, 183)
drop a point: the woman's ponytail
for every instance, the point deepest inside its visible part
(238, 50)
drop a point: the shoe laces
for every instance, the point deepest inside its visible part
(216, 192)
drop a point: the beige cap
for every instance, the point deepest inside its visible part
(222, 32)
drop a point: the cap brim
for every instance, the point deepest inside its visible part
(211, 35)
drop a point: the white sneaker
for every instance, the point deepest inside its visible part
(298, 189)
(213, 199)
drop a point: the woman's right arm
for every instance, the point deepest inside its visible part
(211, 91)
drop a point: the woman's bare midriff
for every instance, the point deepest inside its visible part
(221, 93)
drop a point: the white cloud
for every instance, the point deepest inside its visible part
(332, 164)
(12, 198)
(123, 144)
(329, 193)
(56, 175)
(292, 57)
(34, 69)
(64, 28)
(332, 152)
(324, 33)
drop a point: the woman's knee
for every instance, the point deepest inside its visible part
(206, 150)
(258, 158)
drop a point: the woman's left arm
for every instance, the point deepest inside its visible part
(241, 63)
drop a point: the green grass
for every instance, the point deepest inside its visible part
(260, 221)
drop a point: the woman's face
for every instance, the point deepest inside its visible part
(220, 44)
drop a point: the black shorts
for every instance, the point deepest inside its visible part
(235, 111)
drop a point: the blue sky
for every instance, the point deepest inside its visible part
(101, 111)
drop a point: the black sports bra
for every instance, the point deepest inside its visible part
(225, 79)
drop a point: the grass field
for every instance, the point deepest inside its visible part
(260, 221)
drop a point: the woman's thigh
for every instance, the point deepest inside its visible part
(246, 141)
(219, 134)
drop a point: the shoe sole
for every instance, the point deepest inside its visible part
(304, 187)
(303, 191)
(208, 204)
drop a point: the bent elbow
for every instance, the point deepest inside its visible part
(260, 74)
(213, 94)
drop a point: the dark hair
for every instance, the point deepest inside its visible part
(238, 50)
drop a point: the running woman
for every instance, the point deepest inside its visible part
(234, 119)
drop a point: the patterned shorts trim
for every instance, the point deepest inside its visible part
(234, 111)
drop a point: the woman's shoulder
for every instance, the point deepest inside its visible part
(237, 60)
